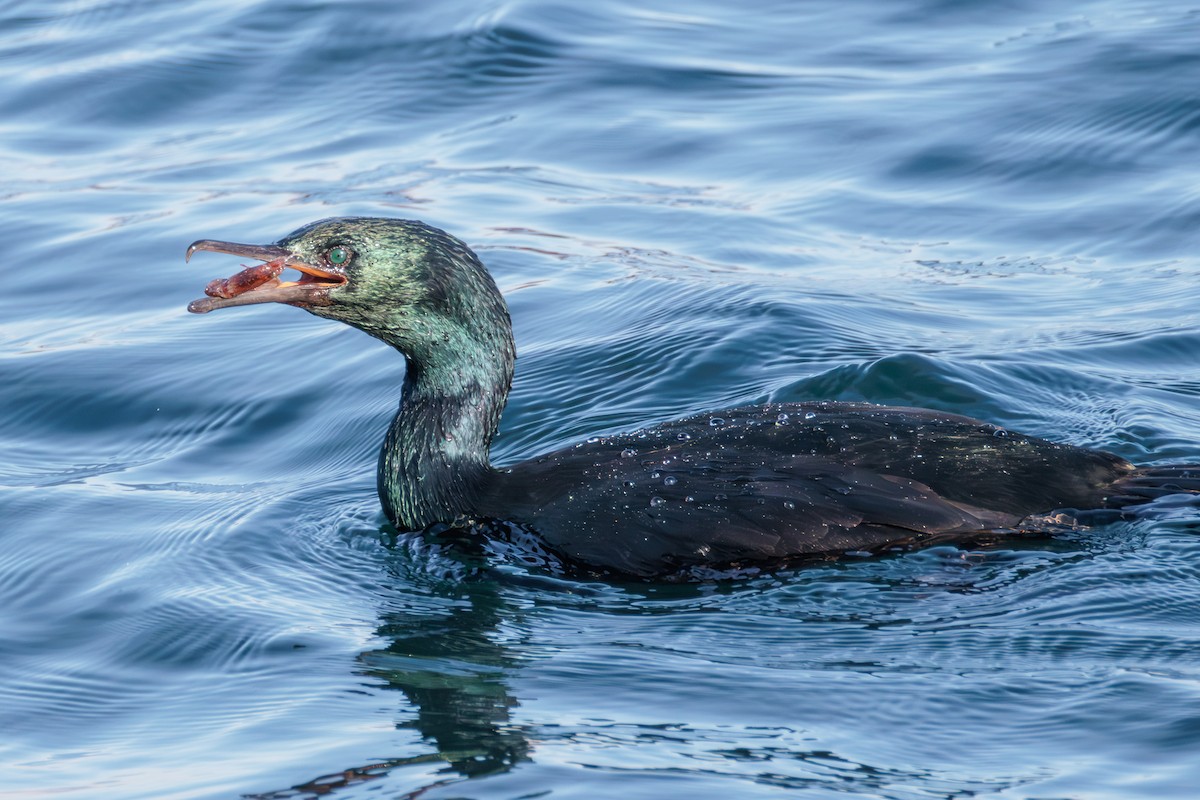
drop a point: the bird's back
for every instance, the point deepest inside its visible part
(766, 483)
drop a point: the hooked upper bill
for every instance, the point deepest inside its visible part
(260, 283)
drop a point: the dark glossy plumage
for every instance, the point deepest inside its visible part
(781, 481)
(739, 487)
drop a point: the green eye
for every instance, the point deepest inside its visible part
(338, 256)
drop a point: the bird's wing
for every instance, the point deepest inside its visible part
(618, 514)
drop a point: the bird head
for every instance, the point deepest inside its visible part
(410, 284)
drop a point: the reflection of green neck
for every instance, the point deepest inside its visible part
(435, 455)
(449, 661)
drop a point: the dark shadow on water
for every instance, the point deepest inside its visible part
(452, 668)
(448, 646)
(453, 672)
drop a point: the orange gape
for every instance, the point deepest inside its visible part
(244, 281)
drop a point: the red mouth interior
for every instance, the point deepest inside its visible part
(266, 274)
(249, 278)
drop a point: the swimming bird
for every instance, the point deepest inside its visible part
(743, 487)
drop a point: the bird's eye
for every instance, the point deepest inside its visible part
(338, 256)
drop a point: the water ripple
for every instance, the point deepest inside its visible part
(989, 209)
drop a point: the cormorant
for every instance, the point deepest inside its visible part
(750, 486)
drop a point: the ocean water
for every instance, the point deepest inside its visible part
(991, 208)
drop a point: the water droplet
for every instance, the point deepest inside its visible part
(810, 415)
(1000, 433)
(683, 437)
(655, 475)
(716, 422)
(670, 480)
(628, 452)
(656, 501)
(789, 505)
(720, 496)
(782, 419)
(689, 499)
(628, 484)
(703, 550)
(593, 440)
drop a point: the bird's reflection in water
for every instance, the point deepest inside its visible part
(452, 668)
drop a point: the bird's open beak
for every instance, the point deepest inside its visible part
(260, 283)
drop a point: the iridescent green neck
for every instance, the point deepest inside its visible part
(426, 294)
(435, 456)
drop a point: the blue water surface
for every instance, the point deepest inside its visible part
(991, 208)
